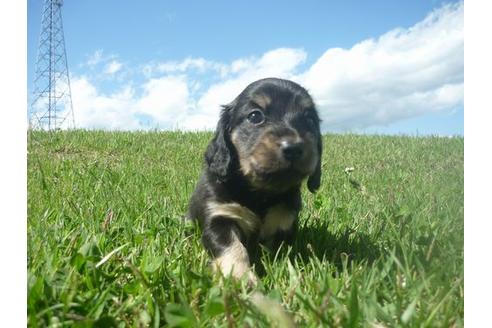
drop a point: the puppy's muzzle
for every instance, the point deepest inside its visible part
(292, 150)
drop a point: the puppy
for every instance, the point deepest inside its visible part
(266, 143)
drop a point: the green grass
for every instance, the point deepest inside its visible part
(381, 246)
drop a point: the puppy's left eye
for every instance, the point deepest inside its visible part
(256, 117)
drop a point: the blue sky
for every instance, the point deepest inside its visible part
(371, 66)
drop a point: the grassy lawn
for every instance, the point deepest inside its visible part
(381, 246)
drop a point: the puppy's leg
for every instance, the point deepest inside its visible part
(224, 239)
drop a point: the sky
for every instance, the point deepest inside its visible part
(391, 67)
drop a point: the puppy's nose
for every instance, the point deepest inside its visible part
(291, 150)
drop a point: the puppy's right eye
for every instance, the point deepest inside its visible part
(256, 117)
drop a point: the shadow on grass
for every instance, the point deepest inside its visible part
(339, 249)
(346, 246)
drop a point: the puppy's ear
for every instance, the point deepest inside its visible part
(219, 153)
(314, 179)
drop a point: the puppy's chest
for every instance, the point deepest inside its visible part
(277, 218)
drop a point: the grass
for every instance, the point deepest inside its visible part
(380, 246)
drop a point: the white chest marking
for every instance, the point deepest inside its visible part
(277, 218)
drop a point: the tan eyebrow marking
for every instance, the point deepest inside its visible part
(262, 100)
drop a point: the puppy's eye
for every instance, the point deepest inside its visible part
(256, 117)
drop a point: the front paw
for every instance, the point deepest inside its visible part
(252, 279)
(236, 269)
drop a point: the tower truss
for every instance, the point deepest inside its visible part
(51, 107)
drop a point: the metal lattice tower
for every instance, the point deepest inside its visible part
(51, 107)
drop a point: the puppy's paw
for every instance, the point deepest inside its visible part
(252, 279)
(236, 269)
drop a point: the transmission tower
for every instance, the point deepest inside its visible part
(51, 106)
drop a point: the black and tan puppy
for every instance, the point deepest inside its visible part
(266, 143)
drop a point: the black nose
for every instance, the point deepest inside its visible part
(291, 150)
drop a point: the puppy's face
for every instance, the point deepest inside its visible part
(273, 127)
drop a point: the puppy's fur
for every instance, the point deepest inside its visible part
(266, 143)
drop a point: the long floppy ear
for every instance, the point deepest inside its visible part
(314, 179)
(219, 153)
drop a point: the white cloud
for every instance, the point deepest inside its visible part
(162, 103)
(112, 67)
(401, 74)
(188, 65)
(95, 58)
(165, 100)
(103, 65)
(95, 110)
(276, 63)
(200, 64)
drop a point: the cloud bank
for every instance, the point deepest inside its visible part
(401, 74)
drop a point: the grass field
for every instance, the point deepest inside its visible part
(381, 246)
